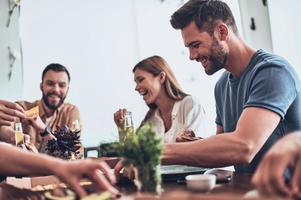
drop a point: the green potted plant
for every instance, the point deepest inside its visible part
(143, 150)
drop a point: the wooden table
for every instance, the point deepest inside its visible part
(236, 189)
(233, 190)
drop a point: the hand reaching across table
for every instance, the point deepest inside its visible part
(17, 162)
(270, 174)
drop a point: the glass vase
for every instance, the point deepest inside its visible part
(148, 179)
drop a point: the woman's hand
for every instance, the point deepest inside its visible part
(119, 118)
(186, 136)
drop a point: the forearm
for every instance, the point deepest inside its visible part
(17, 162)
(216, 151)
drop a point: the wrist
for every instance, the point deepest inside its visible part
(49, 137)
(42, 128)
(46, 132)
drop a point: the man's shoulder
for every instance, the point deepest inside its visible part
(268, 61)
(68, 107)
(271, 65)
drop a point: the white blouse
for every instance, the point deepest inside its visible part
(187, 114)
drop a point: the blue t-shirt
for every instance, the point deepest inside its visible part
(268, 82)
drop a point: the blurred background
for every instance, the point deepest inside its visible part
(100, 41)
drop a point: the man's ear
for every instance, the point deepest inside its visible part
(162, 77)
(41, 86)
(221, 31)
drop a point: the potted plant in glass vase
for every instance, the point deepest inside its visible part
(143, 150)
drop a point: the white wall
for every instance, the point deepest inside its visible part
(285, 19)
(100, 42)
(260, 38)
(10, 87)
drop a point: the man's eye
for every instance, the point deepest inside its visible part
(50, 83)
(196, 46)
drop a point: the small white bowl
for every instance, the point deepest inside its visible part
(201, 182)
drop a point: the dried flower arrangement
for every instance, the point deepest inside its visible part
(66, 145)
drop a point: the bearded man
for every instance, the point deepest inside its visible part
(53, 112)
(258, 98)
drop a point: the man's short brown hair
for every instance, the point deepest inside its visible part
(205, 14)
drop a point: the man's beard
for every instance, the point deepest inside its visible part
(52, 106)
(218, 58)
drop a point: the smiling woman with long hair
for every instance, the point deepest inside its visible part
(176, 115)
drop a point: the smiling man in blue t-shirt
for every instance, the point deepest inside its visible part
(257, 97)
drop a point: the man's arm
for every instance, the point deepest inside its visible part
(16, 162)
(254, 127)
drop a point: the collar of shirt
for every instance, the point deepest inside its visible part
(42, 113)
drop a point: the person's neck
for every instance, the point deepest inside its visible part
(165, 104)
(48, 112)
(240, 55)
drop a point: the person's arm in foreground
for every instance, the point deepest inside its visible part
(254, 127)
(16, 162)
(285, 154)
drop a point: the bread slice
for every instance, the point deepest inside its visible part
(32, 113)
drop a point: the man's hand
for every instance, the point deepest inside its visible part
(285, 154)
(39, 125)
(36, 122)
(8, 112)
(72, 172)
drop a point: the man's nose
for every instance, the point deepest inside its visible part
(192, 54)
(137, 87)
(56, 88)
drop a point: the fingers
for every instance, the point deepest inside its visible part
(11, 109)
(269, 177)
(97, 176)
(4, 122)
(107, 171)
(26, 139)
(102, 182)
(7, 116)
(75, 185)
(118, 167)
(119, 117)
(296, 180)
(12, 105)
(129, 172)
